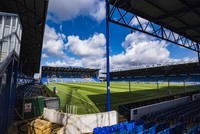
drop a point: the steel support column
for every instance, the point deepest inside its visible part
(107, 56)
(9, 94)
(198, 53)
(13, 90)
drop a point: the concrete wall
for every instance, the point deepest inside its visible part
(75, 124)
(137, 113)
(58, 117)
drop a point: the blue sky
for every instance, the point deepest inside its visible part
(75, 36)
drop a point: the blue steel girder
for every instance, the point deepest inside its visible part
(127, 19)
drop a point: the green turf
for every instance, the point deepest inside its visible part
(91, 97)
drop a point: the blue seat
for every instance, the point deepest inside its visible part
(194, 130)
(149, 125)
(129, 127)
(161, 127)
(190, 131)
(138, 129)
(122, 131)
(161, 132)
(96, 130)
(152, 130)
(167, 131)
(121, 128)
(122, 124)
(143, 132)
(113, 129)
(139, 122)
(174, 130)
(107, 128)
(103, 130)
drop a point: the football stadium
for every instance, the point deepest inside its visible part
(160, 98)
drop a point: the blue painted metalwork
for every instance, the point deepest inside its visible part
(124, 18)
(8, 92)
(107, 56)
(9, 96)
(13, 91)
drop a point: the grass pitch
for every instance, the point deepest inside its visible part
(91, 97)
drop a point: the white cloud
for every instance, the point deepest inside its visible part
(91, 47)
(143, 22)
(44, 56)
(134, 21)
(96, 63)
(57, 64)
(184, 60)
(90, 51)
(53, 43)
(61, 10)
(67, 61)
(140, 49)
(85, 62)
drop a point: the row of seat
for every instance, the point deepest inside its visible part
(180, 113)
(51, 80)
(125, 108)
(175, 129)
(132, 127)
(178, 116)
(174, 79)
(124, 127)
(194, 130)
(148, 128)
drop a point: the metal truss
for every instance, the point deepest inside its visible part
(127, 19)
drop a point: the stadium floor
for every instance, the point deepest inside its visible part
(91, 97)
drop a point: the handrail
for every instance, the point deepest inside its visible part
(4, 64)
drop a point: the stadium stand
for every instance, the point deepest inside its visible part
(24, 54)
(173, 73)
(96, 79)
(20, 54)
(172, 120)
(171, 79)
(68, 74)
(125, 108)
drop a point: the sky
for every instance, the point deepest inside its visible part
(75, 36)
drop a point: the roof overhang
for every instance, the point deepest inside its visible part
(187, 69)
(33, 16)
(180, 16)
(67, 69)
